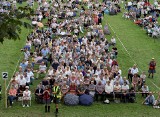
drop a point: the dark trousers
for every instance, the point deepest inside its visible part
(111, 95)
(11, 98)
(125, 97)
(97, 95)
(130, 77)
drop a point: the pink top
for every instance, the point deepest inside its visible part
(13, 92)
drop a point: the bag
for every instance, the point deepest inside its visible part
(20, 98)
(106, 101)
(132, 99)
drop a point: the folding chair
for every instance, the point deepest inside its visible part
(29, 100)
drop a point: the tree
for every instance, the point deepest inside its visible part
(12, 22)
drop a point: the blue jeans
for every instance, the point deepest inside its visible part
(11, 98)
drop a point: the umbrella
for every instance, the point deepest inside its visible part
(86, 100)
(71, 99)
(40, 24)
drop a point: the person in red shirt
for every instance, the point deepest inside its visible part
(72, 88)
(47, 98)
(152, 68)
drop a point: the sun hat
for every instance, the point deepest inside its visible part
(27, 87)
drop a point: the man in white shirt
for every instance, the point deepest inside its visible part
(84, 39)
(102, 80)
(96, 78)
(30, 74)
(145, 90)
(129, 5)
(22, 81)
(134, 70)
(109, 90)
(42, 69)
(28, 80)
(113, 41)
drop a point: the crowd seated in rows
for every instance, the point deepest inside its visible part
(80, 63)
(145, 15)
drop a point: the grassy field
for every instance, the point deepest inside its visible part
(141, 48)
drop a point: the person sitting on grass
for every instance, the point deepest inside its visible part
(81, 88)
(109, 89)
(132, 95)
(42, 69)
(45, 52)
(28, 80)
(125, 80)
(100, 88)
(135, 80)
(45, 81)
(64, 88)
(23, 65)
(157, 102)
(149, 100)
(39, 94)
(143, 77)
(92, 88)
(20, 91)
(139, 83)
(113, 41)
(145, 90)
(12, 95)
(117, 91)
(14, 82)
(22, 81)
(125, 92)
(30, 74)
(26, 97)
(72, 88)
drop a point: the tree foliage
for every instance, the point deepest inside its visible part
(12, 22)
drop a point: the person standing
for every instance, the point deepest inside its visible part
(47, 98)
(152, 66)
(56, 95)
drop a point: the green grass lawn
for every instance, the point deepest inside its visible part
(141, 48)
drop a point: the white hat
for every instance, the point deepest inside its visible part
(27, 87)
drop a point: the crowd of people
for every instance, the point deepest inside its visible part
(112, 7)
(6, 6)
(144, 14)
(81, 60)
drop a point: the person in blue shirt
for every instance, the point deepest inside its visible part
(149, 100)
(23, 65)
(80, 67)
(45, 52)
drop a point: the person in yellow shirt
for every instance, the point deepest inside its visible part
(56, 95)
